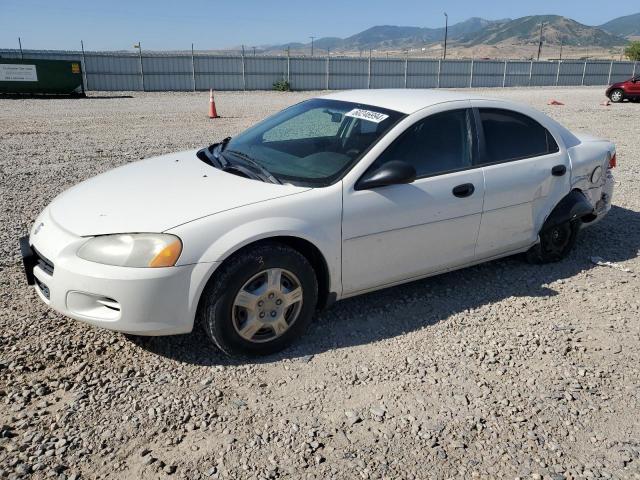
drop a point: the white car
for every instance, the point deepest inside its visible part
(330, 198)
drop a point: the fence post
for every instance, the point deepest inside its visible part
(406, 67)
(369, 74)
(634, 69)
(558, 73)
(504, 74)
(471, 75)
(288, 66)
(439, 69)
(610, 69)
(327, 72)
(193, 70)
(141, 68)
(530, 71)
(584, 70)
(84, 68)
(244, 79)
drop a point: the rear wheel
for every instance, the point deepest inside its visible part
(260, 301)
(555, 243)
(616, 95)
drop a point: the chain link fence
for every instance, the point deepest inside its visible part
(115, 71)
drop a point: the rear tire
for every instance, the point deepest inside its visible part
(616, 96)
(260, 301)
(555, 243)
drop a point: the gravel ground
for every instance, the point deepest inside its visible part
(503, 370)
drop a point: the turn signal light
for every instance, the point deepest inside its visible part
(168, 256)
(613, 161)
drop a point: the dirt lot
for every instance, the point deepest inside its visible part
(503, 370)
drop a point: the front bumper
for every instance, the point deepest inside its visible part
(143, 301)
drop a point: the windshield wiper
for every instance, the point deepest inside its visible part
(268, 176)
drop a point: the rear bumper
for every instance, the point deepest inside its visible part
(603, 205)
(143, 301)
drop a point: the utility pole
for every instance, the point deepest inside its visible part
(312, 39)
(540, 42)
(254, 51)
(446, 32)
(20, 44)
(561, 43)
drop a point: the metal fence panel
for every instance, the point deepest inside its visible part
(622, 71)
(422, 73)
(596, 73)
(570, 73)
(517, 74)
(113, 83)
(348, 73)
(455, 73)
(262, 72)
(488, 74)
(387, 73)
(219, 73)
(544, 73)
(179, 71)
(308, 73)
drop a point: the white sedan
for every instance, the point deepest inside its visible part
(330, 198)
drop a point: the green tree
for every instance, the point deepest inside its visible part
(633, 51)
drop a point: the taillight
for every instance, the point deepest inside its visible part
(613, 161)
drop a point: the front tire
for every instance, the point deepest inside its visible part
(555, 243)
(616, 95)
(260, 301)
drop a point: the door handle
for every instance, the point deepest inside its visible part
(464, 190)
(558, 170)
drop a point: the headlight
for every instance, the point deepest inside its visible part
(133, 250)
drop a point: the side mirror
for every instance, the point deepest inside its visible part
(394, 172)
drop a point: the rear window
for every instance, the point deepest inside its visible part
(511, 135)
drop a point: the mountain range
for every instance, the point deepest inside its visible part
(479, 31)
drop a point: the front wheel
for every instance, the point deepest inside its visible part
(616, 95)
(555, 243)
(260, 301)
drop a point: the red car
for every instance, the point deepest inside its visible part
(630, 89)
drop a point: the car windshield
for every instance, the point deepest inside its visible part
(314, 142)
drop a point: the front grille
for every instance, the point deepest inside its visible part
(43, 262)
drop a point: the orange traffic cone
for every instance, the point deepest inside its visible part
(212, 105)
(554, 102)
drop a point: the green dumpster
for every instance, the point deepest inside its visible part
(41, 76)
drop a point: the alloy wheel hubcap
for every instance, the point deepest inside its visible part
(616, 96)
(267, 305)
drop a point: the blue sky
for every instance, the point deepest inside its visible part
(163, 25)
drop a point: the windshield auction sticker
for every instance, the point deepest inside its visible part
(375, 117)
(11, 72)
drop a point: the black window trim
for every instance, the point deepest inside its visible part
(474, 137)
(482, 140)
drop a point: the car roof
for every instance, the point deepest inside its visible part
(402, 100)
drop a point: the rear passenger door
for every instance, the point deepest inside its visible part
(526, 174)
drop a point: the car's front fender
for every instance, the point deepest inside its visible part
(314, 216)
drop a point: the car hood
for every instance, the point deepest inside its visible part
(157, 194)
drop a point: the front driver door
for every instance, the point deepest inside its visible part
(399, 232)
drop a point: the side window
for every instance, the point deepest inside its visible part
(511, 135)
(436, 144)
